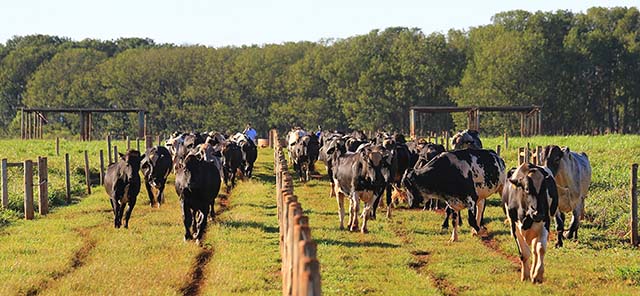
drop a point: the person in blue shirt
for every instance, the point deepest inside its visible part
(250, 132)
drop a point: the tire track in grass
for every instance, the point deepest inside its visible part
(421, 260)
(77, 261)
(197, 273)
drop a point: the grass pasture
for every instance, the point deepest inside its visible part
(76, 251)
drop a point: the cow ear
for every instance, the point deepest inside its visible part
(565, 150)
(122, 156)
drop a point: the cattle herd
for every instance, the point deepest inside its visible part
(363, 169)
(200, 161)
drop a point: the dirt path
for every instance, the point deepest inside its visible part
(197, 274)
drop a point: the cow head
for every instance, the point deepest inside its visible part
(376, 162)
(552, 155)
(133, 159)
(414, 197)
(190, 171)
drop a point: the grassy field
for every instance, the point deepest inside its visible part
(75, 250)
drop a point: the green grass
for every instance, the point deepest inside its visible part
(18, 151)
(76, 251)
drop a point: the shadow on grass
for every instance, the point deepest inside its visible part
(251, 224)
(265, 207)
(266, 178)
(356, 244)
(320, 213)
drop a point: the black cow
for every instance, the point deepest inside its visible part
(122, 182)
(400, 160)
(197, 184)
(463, 179)
(231, 162)
(304, 154)
(530, 200)
(362, 175)
(156, 166)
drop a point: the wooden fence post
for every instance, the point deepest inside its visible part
(67, 176)
(160, 140)
(109, 148)
(28, 189)
(520, 155)
(116, 157)
(498, 150)
(101, 167)
(128, 143)
(634, 204)
(43, 181)
(5, 186)
(506, 141)
(86, 171)
(58, 146)
(138, 143)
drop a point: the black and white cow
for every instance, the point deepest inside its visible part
(197, 184)
(249, 153)
(156, 166)
(122, 183)
(463, 179)
(466, 139)
(362, 175)
(331, 145)
(530, 199)
(572, 172)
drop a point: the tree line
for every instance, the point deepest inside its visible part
(582, 68)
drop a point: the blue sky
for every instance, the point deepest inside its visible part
(238, 22)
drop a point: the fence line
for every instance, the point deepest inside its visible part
(300, 266)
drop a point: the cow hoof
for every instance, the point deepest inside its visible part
(341, 227)
(453, 240)
(198, 243)
(353, 229)
(558, 245)
(364, 230)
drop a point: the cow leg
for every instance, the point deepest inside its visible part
(355, 208)
(449, 212)
(187, 220)
(454, 222)
(575, 220)
(525, 254)
(161, 193)
(340, 200)
(121, 214)
(201, 223)
(116, 213)
(132, 204)
(149, 192)
(560, 228)
(388, 190)
(475, 229)
(539, 248)
(479, 208)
